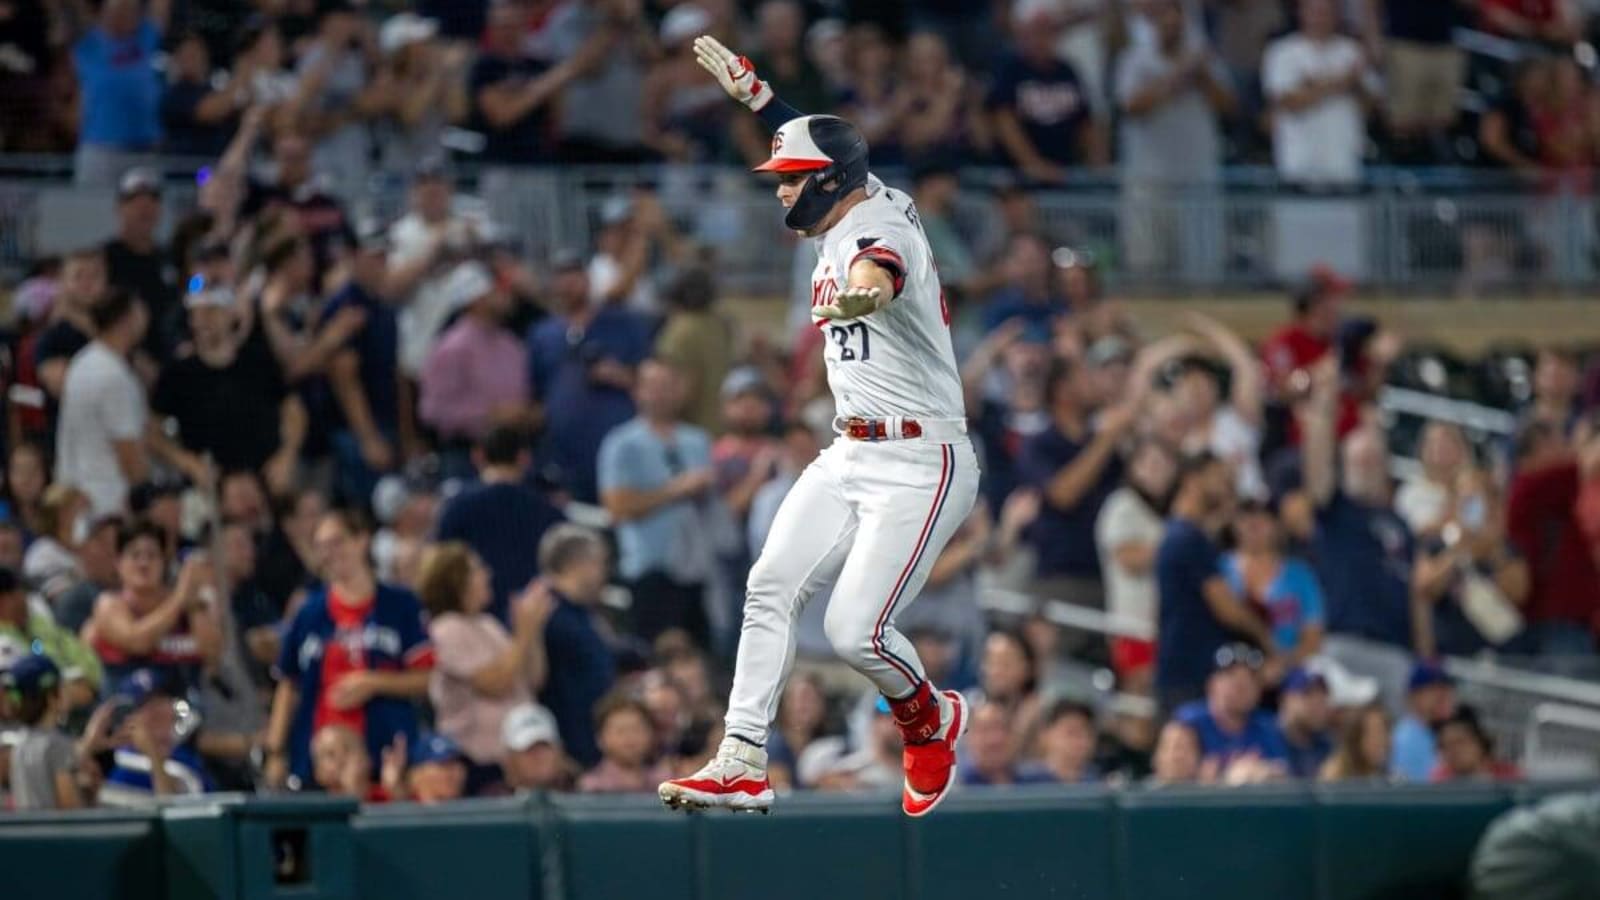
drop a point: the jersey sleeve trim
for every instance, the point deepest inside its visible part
(885, 259)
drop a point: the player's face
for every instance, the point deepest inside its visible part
(789, 186)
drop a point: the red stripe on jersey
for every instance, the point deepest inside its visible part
(889, 260)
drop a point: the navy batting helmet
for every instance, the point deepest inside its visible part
(827, 146)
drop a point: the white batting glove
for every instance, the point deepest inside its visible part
(735, 73)
(851, 303)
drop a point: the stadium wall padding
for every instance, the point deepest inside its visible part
(1376, 842)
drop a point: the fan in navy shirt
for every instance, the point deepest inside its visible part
(501, 518)
(582, 668)
(511, 93)
(1041, 113)
(1199, 611)
(1304, 718)
(1229, 722)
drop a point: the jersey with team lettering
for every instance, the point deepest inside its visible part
(899, 360)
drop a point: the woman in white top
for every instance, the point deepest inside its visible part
(1127, 534)
(1425, 502)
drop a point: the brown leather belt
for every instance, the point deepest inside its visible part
(859, 429)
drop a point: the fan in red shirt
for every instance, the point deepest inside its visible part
(1544, 519)
(1314, 333)
(1551, 21)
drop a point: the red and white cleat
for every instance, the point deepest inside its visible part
(736, 779)
(931, 766)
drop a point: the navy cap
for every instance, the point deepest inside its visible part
(1230, 655)
(1300, 680)
(32, 674)
(434, 748)
(1426, 674)
(142, 684)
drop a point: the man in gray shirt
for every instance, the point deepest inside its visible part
(1172, 92)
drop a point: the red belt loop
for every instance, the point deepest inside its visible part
(860, 429)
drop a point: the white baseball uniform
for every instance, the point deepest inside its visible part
(868, 517)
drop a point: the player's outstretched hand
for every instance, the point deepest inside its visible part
(851, 303)
(734, 72)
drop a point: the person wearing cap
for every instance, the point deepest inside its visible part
(137, 262)
(533, 759)
(115, 58)
(26, 629)
(1430, 701)
(1199, 612)
(745, 456)
(419, 88)
(43, 766)
(1305, 717)
(476, 375)
(157, 759)
(1230, 722)
(698, 339)
(436, 771)
(1042, 115)
(227, 393)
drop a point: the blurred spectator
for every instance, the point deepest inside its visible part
(1551, 22)
(42, 771)
(799, 448)
(943, 116)
(1231, 431)
(120, 105)
(199, 107)
(136, 262)
(686, 114)
(634, 232)
(1317, 82)
(1041, 114)
(1466, 751)
(1177, 755)
(609, 44)
(356, 654)
(698, 340)
(418, 89)
(227, 394)
(256, 615)
(49, 559)
(780, 56)
(438, 232)
(1470, 574)
(1425, 502)
(745, 457)
(333, 99)
(627, 743)
(103, 413)
(1284, 592)
(573, 563)
(533, 759)
(1363, 551)
(1074, 465)
(1423, 71)
(1509, 131)
(1430, 701)
(436, 771)
(1557, 380)
(1172, 94)
(26, 631)
(340, 765)
(873, 101)
(830, 764)
(1067, 738)
(1229, 721)
(1292, 350)
(26, 58)
(500, 517)
(802, 720)
(27, 476)
(1128, 533)
(1542, 522)
(477, 373)
(83, 283)
(362, 335)
(582, 360)
(97, 560)
(1009, 678)
(1305, 718)
(1029, 292)
(482, 670)
(654, 477)
(156, 758)
(1199, 611)
(937, 186)
(512, 93)
(1363, 751)
(991, 757)
(294, 185)
(174, 632)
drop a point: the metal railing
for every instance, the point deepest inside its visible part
(1404, 231)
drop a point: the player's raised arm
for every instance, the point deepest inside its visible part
(738, 77)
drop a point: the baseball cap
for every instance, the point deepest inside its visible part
(31, 674)
(405, 29)
(434, 748)
(142, 684)
(468, 283)
(743, 380)
(685, 21)
(1321, 281)
(1427, 674)
(528, 725)
(139, 180)
(1230, 655)
(207, 292)
(1300, 680)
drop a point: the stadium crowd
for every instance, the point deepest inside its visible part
(296, 500)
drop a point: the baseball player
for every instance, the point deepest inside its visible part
(874, 511)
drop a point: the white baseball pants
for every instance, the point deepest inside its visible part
(869, 518)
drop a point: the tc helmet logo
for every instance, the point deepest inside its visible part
(777, 142)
